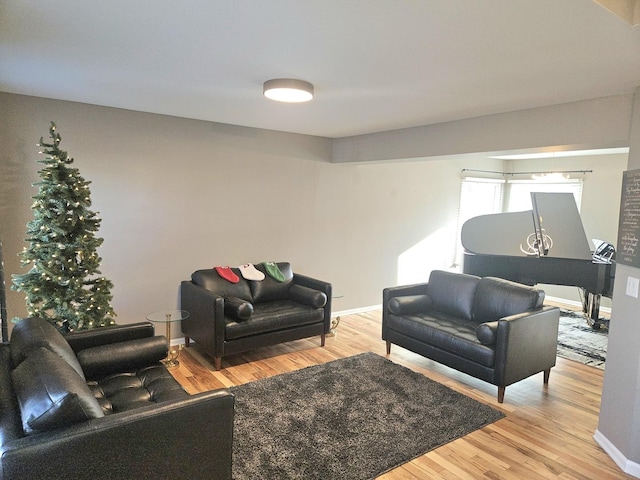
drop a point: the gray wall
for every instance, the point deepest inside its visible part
(176, 195)
(598, 123)
(619, 425)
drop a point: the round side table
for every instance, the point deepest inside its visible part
(336, 321)
(168, 317)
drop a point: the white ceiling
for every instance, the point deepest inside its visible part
(376, 64)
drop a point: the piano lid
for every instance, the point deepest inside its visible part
(554, 220)
(498, 233)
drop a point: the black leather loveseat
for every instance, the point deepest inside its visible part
(493, 329)
(227, 318)
(99, 404)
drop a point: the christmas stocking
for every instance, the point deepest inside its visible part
(227, 274)
(273, 271)
(249, 272)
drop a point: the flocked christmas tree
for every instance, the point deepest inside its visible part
(64, 284)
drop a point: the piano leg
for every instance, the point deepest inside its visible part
(595, 308)
(586, 301)
(591, 308)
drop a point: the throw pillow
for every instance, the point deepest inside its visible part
(308, 296)
(32, 333)
(237, 308)
(486, 332)
(51, 394)
(410, 304)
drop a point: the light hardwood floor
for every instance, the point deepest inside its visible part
(547, 432)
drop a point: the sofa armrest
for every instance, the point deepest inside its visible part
(396, 292)
(105, 335)
(103, 360)
(309, 282)
(205, 324)
(158, 441)
(526, 343)
(324, 287)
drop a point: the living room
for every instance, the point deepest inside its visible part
(178, 194)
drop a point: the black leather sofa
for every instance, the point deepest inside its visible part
(227, 318)
(492, 329)
(99, 404)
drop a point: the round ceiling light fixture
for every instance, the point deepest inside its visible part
(288, 90)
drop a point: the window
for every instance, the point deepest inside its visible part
(478, 196)
(519, 192)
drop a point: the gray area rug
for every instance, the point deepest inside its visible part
(353, 418)
(579, 342)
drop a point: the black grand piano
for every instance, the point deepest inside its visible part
(547, 244)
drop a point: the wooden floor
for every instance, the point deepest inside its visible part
(547, 432)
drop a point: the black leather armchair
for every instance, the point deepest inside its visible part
(99, 404)
(492, 329)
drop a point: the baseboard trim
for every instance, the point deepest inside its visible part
(626, 465)
(569, 303)
(572, 303)
(353, 311)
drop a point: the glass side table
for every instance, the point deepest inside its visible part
(168, 317)
(336, 321)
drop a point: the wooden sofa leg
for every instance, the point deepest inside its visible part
(218, 363)
(187, 341)
(323, 337)
(547, 372)
(501, 394)
(388, 347)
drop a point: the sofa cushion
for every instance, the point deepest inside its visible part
(273, 316)
(452, 293)
(209, 279)
(307, 296)
(125, 391)
(32, 333)
(445, 332)
(410, 304)
(497, 298)
(271, 289)
(104, 360)
(51, 394)
(237, 308)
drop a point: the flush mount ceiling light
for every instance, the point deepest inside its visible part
(288, 90)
